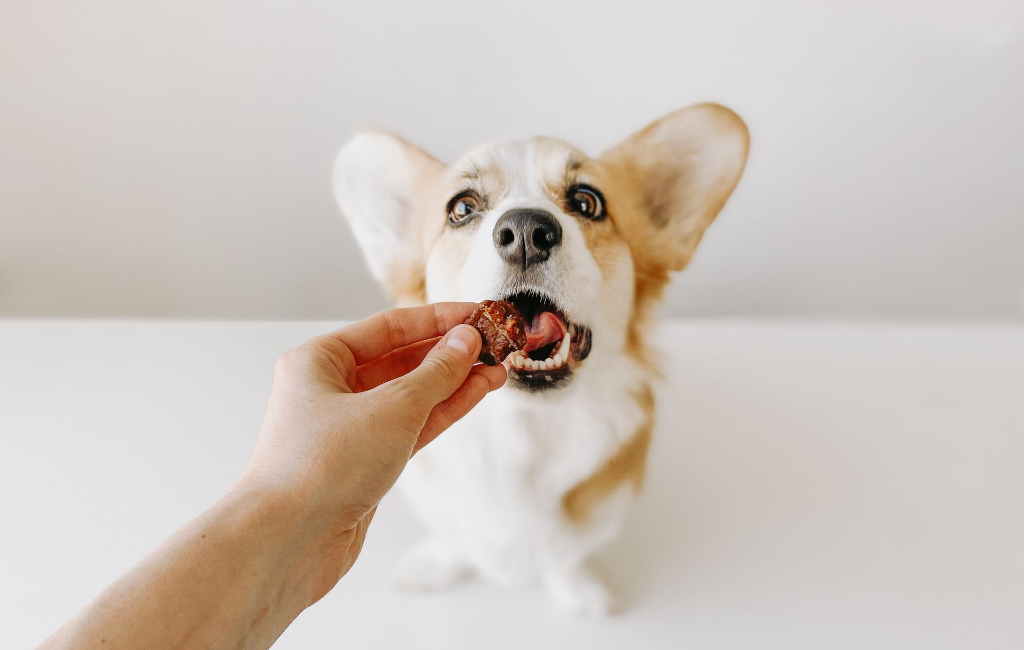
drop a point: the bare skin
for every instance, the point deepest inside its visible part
(346, 413)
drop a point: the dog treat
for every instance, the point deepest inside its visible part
(502, 329)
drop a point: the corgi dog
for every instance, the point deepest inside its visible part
(541, 474)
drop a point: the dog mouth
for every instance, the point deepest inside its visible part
(555, 346)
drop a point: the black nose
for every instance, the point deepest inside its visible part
(525, 236)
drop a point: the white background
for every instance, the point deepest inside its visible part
(172, 158)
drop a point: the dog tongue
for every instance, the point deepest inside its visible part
(546, 328)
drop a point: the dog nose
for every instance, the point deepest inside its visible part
(525, 236)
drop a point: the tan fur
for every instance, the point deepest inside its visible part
(605, 238)
(626, 466)
(407, 283)
(682, 169)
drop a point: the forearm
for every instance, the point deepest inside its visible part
(234, 577)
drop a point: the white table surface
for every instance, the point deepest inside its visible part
(811, 485)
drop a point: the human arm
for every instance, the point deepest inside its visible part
(346, 413)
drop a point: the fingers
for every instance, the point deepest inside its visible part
(392, 365)
(442, 371)
(389, 330)
(482, 380)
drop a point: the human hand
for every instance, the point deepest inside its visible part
(349, 409)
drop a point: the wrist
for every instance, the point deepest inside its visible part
(314, 546)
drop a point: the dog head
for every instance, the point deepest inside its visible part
(582, 246)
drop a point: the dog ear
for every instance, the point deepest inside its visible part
(685, 166)
(380, 181)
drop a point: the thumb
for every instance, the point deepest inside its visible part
(445, 367)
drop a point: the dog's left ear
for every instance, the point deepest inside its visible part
(684, 167)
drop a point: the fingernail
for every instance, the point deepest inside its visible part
(462, 338)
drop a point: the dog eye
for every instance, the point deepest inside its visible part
(586, 201)
(461, 208)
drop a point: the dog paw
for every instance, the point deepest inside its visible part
(582, 591)
(430, 566)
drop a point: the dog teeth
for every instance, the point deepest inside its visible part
(514, 360)
(563, 349)
(519, 361)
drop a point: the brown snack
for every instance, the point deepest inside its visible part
(502, 329)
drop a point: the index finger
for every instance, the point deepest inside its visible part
(389, 330)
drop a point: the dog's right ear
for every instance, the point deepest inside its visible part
(380, 182)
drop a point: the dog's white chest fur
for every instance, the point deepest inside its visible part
(493, 486)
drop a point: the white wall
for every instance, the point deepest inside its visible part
(172, 158)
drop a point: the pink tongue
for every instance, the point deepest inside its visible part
(546, 328)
